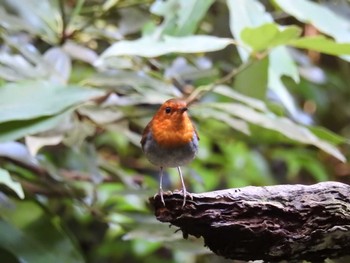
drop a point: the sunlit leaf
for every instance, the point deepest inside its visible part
(29, 100)
(5, 178)
(282, 64)
(244, 14)
(251, 14)
(323, 18)
(231, 93)
(269, 35)
(45, 18)
(180, 17)
(35, 143)
(322, 44)
(14, 130)
(153, 47)
(59, 64)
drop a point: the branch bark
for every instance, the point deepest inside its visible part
(273, 223)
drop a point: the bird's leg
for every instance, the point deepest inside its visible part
(183, 187)
(160, 185)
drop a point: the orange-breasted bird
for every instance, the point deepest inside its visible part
(170, 140)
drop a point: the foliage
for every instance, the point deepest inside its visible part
(267, 84)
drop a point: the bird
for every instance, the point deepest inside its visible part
(170, 139)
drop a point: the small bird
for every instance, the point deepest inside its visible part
(170, 140)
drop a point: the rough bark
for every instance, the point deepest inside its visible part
(273, 223)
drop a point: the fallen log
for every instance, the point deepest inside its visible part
(272, 223)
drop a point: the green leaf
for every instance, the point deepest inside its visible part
(243, 14)
(269, 35)
(153, 47)
(231, 93)
(322, 44)
(282, 64)
(6, 179)
(324, 19)
(181, 17)
(29, 100)
(14, 130)
(283, 125)
(190, 14)
(32, 237)
(329, 136)
(253, 80)
(250, 14)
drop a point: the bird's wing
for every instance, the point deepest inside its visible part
(144, 134)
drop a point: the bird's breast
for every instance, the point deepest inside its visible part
(171, 135)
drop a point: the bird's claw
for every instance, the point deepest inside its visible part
(185, 194)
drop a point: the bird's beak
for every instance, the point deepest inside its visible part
(182, 110)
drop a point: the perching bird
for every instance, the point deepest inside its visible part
(170, 140)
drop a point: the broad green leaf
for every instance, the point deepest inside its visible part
(283, 125)
(5, 178)
(244, 14)
(322, 44)
(29, 100)
(14, 130)
(32, 236)
(324, 19)
(207, 113)
(253, 80)
(329, 136)
(190, 14)
(250, 14)
(269, 35)
(282, 64)
(45, 18)
(153, 47)
(181, 17)
(231, 93)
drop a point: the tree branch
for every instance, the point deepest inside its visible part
(273, 223)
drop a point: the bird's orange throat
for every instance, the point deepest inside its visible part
(173, 132)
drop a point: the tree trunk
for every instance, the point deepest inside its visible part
(273, 223)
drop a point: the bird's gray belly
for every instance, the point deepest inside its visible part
(170, 157)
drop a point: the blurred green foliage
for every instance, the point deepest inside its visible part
(268, 85)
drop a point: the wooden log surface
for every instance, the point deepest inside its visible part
(272, 223)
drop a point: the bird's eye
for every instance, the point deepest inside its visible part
(167, 110)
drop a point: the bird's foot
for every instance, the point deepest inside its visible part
(185, 194)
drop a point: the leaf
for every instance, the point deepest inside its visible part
(281, 64)
(283, 125)
(14, 130)
(206, 113)
(6, 179)
(253, 80)
(59, 64)
(45, 19)
(29, 100)
(33, 237)
(269, 35)
(152, 47)
(251, 14)
(322, 44)
(19, 152)
(243, 14)
(229, 92)
(324, 19)
(35, 143)
(180, 17)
